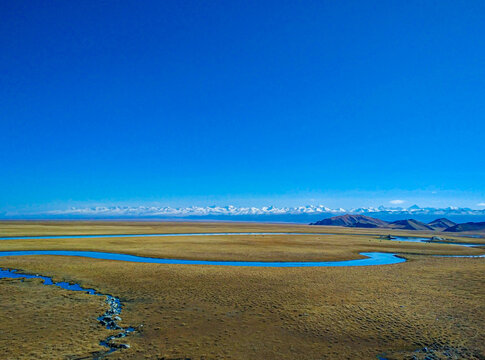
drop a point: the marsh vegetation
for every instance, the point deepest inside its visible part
(214, 312)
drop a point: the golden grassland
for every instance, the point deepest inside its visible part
(242, 247)
(213, 312)
(18, 228)
(262, 313)
(44, 228)
(41, 322)
(341, 246)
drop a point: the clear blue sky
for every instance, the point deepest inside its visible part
(347, 103)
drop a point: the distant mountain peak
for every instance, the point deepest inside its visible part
(362, 221)
(352, 221)
(230, 210)
(469, 226)
(410, 224)
(441, 224)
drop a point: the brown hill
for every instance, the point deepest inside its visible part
(469, 226)
(410, 224)
(353, 221)
(441, 224)
(362, 221)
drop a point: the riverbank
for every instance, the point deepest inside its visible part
(305, 313)
(197, 312)
(264, 248)
(107, 227)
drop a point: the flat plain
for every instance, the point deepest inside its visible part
(214, 312)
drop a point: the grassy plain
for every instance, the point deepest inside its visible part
(44, 228)
(210, 312)
(45, 322)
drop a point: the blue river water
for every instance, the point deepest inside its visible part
(13, 274)
(109, 319)
(51, 237)
(153, 235)
(373, 258)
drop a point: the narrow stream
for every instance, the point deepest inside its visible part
(109, 319)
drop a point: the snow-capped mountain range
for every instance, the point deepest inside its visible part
(196, 211)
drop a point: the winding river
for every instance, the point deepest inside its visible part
(111, 317)
(372, 258)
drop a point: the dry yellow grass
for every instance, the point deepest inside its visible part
(234, 247)
(210, 312)
(41, 322)
(39, 228)
(253, 313)
(243, 247)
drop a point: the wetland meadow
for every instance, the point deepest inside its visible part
(190, 311)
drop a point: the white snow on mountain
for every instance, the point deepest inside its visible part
(194, 211)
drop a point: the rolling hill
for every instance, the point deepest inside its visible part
(441, 224)
(469, 226)
(410, 224)
(362, 221)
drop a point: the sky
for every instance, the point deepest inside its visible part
(250, 103)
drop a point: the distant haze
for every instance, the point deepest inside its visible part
(300, 214)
